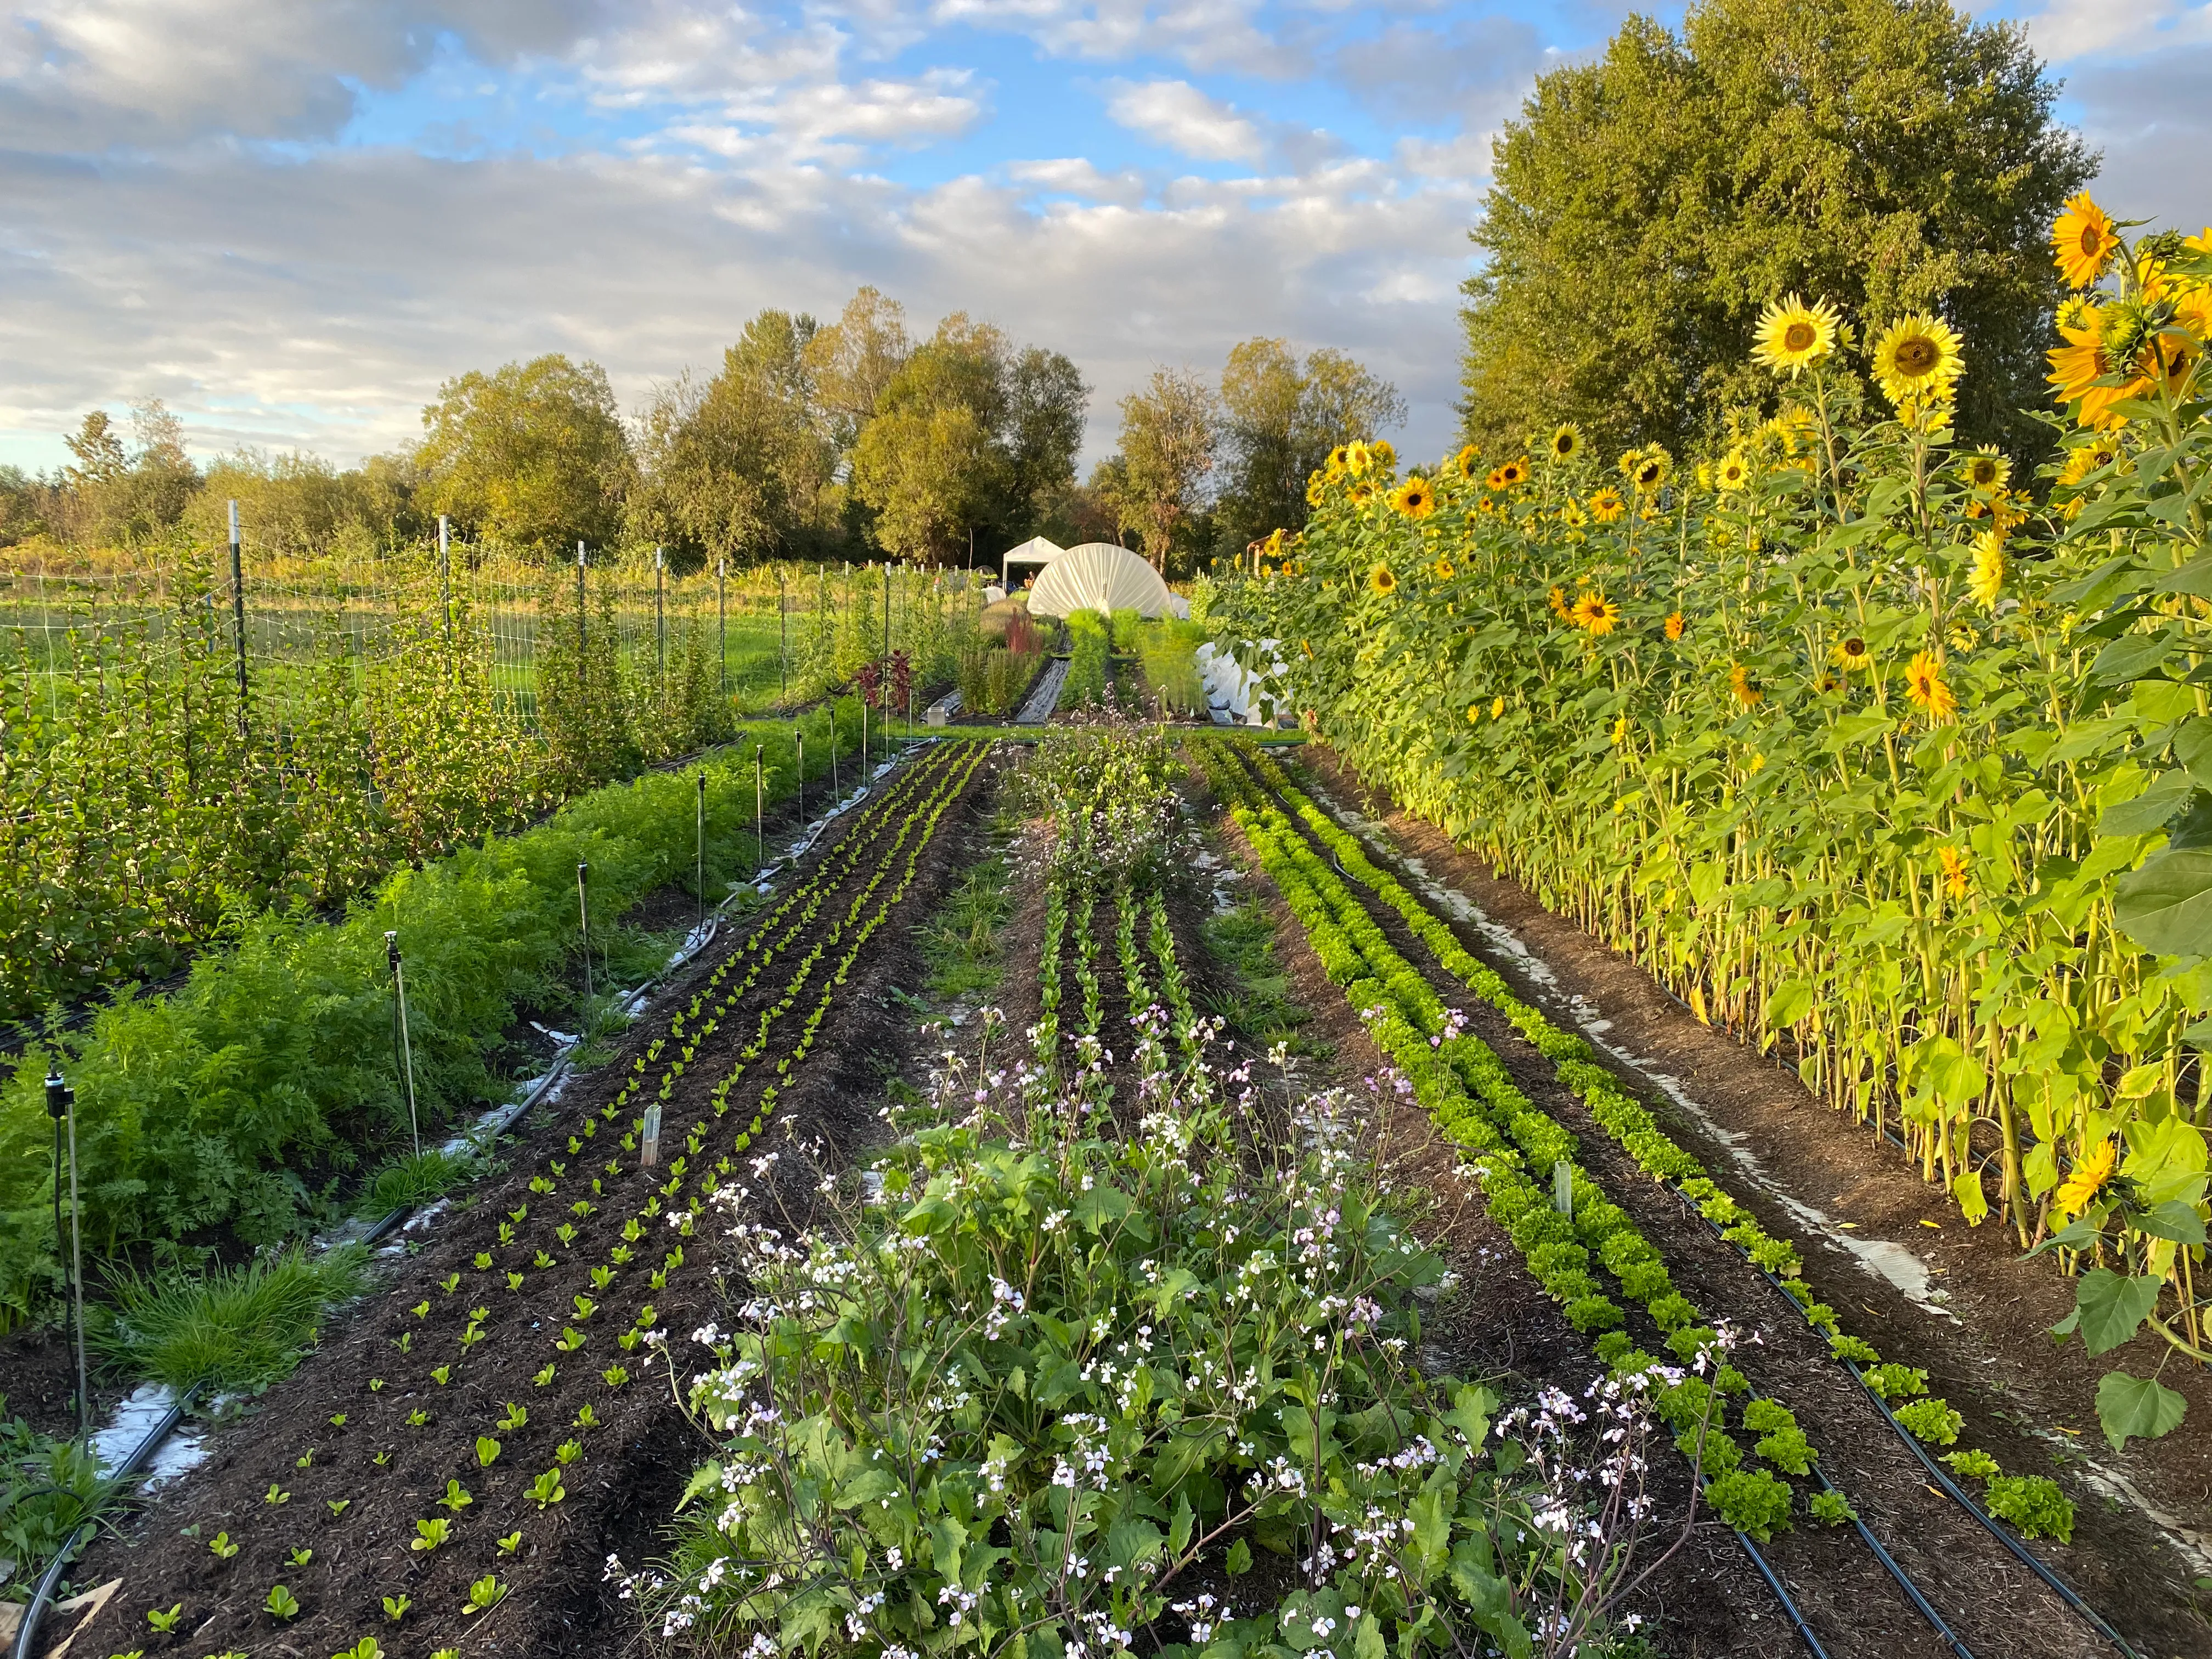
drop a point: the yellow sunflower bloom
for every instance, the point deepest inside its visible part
(2077, 367)
(1743, 688)
(1559, 601)
(1954, 863)
(1356, 458)
(1464, 461)
(1475, 713)
(1924, 683)
(1647, 469)
(1317, 492)
(1674, 624)
(1917, 360)
(2086, 459)
(1852, 653)
(1793, 336)
(1988, 580)
(1362, 493)
(1413, 498)
(1497, 709)
(1381, 578)
(1606, 506)
(1566, 441)
(1732, 473)
(2083, 241)
(1380, 451)
(2090, 1173)
(1985, 469)
(1594, 613)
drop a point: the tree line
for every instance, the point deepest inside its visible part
(851, 439)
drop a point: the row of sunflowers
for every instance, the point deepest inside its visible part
(1873, 746)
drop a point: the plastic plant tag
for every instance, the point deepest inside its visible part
(648, 1149)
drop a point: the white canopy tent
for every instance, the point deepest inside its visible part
(1100, 576)
(1032, 553)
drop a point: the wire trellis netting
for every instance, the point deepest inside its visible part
(189, 737)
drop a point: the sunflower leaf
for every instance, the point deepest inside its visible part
(2113, 1307)
(2136, 1406)
(2166, 906)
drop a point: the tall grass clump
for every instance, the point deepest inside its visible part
(235, 1328)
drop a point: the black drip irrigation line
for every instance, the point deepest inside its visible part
(2027, 1557)
(2021, 1551)
(34, 1612)
(1789, 1606)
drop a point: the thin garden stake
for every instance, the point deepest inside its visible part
(583, 690)
(584, 921)
(701, 845)
(722, 622)
(760, 840)
(404, 1049)
(783, 635)
(799, 743)
(836, 791)
(660, 619)
(865, 756)
(61, 1102)
(445, 581)
(238, 609)
(887, 610)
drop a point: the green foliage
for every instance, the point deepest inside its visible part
(960, 942)
(1090, 641)
(414, 1180)
(234, 1329)
(1752, 1501)
(1830, 1509)
(1889, 157)
(1930, 1421)
(49, 1487)
(2033, 1503)
(1168, 650)
(532, 454)
(1279, 419)
(1258, 1002)
(2129, 1407)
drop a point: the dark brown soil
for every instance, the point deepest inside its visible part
(620, 1494)
(2142, 1515)
(1498, 1326)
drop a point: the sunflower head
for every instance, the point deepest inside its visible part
(1466, 461)
(1606, 505)
(1917, 361)
(1851, 653)
(1793, 336)
(1646, 469)
(1496, 708)
(1356, 457)
(1566, 441)
(1337, 460)
(1594, 613)
(1732, 473)
(1382, 453)
(1414, 499)
(1924, 683)
(2083, 241)
(1317, 492)
(2090, 1173)
(1514, 473)
(1987, 581)
(1557, 601)
(1985, 469)
(1674, 624)
(2086, 459)
(1745, 689)
(1382, 579)
(1362, 493)
(1953, 864)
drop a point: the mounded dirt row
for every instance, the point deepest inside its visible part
(1993, 1603)
(2026, 1398)
(366, 1426)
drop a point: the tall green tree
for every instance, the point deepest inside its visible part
(534, 454)
(1169, 437)
(1279, 418)
(1890, 156)
(736, 467)
(115, 493)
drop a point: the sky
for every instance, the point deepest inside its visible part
(291, 220)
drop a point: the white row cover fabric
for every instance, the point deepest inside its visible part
(1100, 576)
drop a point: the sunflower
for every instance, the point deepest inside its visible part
(1674, 624)
(2078, 366)
(1497, 479)
(1566, 441)
(1381, 578)
(1559, 602)
(2086, 458)
(1955, 870)
(1793, 336)
(1337, 460)
(1620, 727)
(1852, 653)
(1606, 506)
(1362, 493)
(1356, 457)
(1647, 470)
(1317, 492)
(1464, 461)
(1443, 568)
(1917, 360)
(1572, 515)
(1987, 470)
(1594, 613)
(2091, 1171)
(1513, 474)
(1742, 687)
(1732, 473)
(1497, 709)
(2083, 241)
(1988, 580)
(1413, 498)
(1475, 713)
(1924, 683)
(1382, 455)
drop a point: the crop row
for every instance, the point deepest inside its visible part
(572, 1268)
(2034, 1504)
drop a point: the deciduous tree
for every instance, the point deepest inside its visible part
(533, 454)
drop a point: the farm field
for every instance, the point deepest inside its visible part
(1064, 1085)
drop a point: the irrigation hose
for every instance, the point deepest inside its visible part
(2027, 1557)
(1789, 1606)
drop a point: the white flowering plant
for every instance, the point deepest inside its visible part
(1041, 1392)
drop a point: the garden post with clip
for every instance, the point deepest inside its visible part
(760, 839)
(660, 618)
(238, 608)
(403, 1048)
(61, 1105)
(699, 845)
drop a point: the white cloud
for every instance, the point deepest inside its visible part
(2077, 28)
(1075, 176)
(1178, 115)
